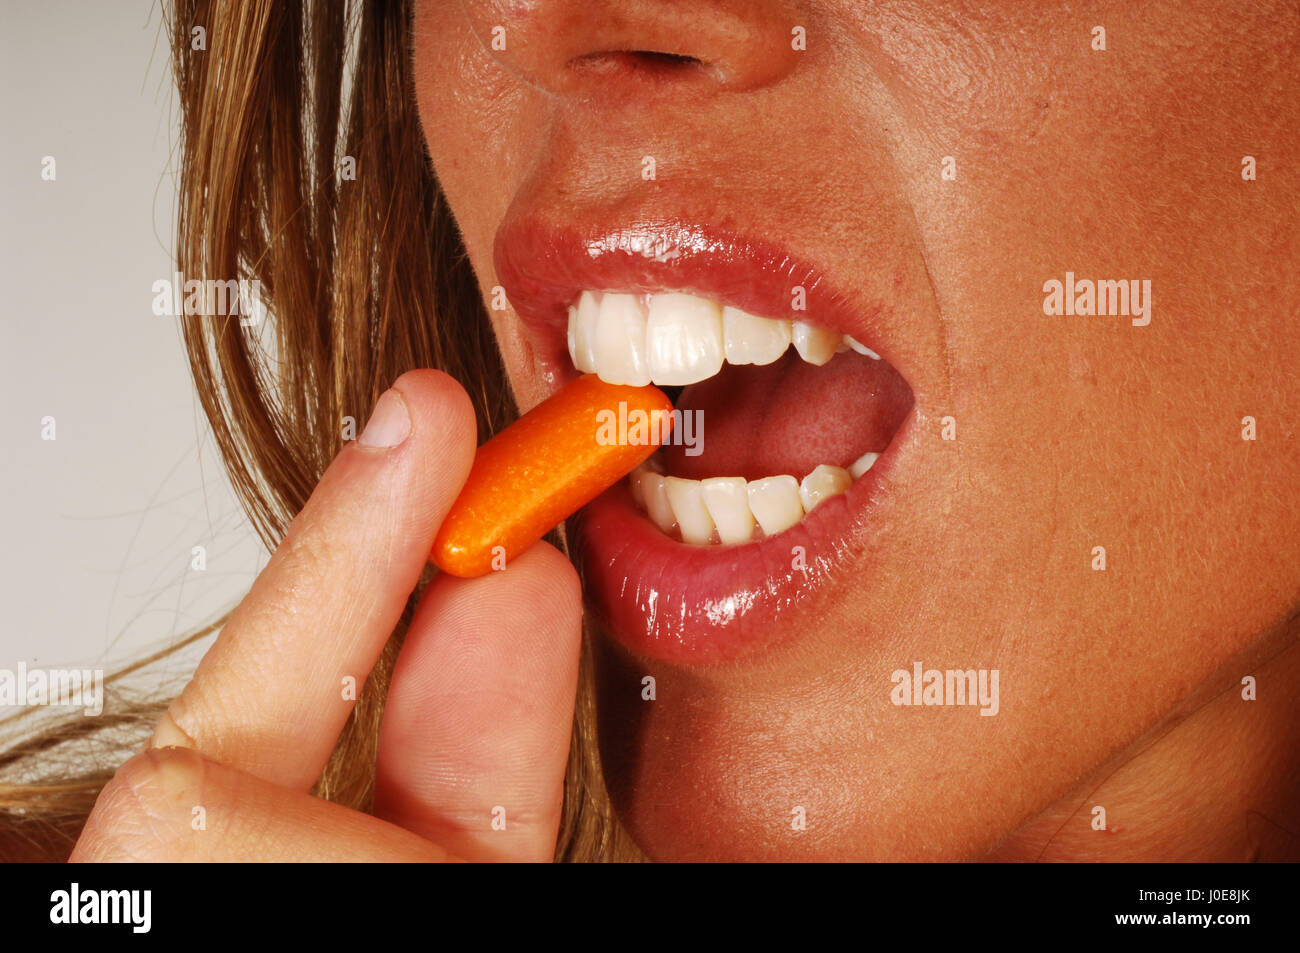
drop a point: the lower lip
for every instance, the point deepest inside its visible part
(691, 605)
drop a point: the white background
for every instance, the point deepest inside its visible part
(99, 524)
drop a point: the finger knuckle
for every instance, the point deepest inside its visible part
(146, 811)
(308, 554)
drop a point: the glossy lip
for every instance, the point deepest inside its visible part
(660, 598)
(691, 605)
(543, 270)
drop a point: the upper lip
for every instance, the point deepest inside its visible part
(544, 268)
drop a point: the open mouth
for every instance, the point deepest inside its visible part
(781, 415)
(790, 420)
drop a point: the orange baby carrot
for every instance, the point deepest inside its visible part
(546, 466)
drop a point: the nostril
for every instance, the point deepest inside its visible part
(654, 57)
(644, 62)
(613, 48)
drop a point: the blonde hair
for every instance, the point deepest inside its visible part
(364, 278)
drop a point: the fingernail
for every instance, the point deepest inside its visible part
(389, 423)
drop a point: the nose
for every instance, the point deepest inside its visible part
(584, 46)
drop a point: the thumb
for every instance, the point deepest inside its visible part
(476, 730)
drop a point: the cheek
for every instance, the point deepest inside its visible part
(480, 123)
(466, 104)
(1116, 165)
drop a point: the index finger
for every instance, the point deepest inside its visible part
(275, 689)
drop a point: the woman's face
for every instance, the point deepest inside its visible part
(1065, 501)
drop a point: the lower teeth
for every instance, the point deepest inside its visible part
(728, 510)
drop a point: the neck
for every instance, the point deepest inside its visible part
(1218, 780)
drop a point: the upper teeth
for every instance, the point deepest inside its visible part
(675, 339)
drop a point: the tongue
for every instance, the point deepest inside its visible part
(789, 416)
